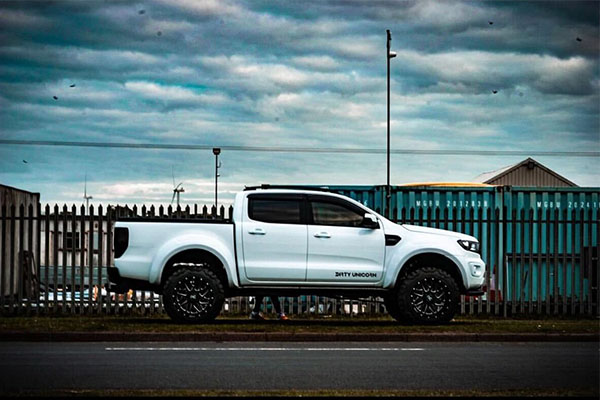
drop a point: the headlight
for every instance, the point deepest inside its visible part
(469, 245)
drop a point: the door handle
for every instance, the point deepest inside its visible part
(257, 231)
(323, 235)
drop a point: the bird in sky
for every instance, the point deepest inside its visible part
(72, 85)
(578, 39)
(55, 98)
(25, 162)
(142, 12)
(158, 33)
(494, 91)
(491, 22)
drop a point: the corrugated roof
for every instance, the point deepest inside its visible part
(17, 189)
(488, 177)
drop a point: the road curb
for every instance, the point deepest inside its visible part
(290, 337)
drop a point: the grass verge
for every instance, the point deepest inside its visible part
(307, 324)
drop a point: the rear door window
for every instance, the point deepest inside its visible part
(276, 210)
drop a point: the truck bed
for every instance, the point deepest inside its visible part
(149, 237)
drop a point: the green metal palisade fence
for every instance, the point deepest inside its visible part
(540, 245)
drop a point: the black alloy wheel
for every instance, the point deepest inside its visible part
(193, 295)
(428, 295)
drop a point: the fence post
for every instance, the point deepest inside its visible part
(90, 263)
(550, 261)
(555, 269)
(11, 241)
(109, 252)
(522, 256)
(20, 258)
(540, 224)
(581, 263)
(499, 261)
(46, 257)
(3, 257)
(98, 288)
(513, 249)
(589, 262)
(38, 256)
(29, 265)
(82, 255)
(55, 259)
(73, 254)
(573, 287)
(480, 217)
(597, 266)
(504, 265)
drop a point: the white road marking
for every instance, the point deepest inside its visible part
(263, 349)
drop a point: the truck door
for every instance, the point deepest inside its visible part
(339, 248)
(274, 236)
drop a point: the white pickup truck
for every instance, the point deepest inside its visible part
(287, 242)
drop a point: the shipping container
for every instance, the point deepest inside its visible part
(540, 244)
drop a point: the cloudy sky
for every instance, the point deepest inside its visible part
(308, 75)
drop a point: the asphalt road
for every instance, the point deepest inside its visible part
(230, 366)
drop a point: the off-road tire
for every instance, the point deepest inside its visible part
(428, 295)
(193, 295)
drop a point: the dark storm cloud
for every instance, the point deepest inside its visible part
(274, 73)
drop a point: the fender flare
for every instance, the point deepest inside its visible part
(191, 242)
(392, 278)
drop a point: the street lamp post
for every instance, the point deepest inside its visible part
(216, 152)
(389, 56)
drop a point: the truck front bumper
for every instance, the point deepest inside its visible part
(473, 271)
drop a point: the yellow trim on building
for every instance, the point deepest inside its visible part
(447, 184)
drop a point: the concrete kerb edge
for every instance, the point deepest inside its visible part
(290, 337)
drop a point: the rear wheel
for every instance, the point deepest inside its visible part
(428, 295)
(193, 295)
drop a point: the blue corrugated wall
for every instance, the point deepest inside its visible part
(540, 244)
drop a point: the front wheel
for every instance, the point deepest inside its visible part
(193, 295)
(428, 295)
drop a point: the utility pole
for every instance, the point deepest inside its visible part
(388, 191)
(216, 152)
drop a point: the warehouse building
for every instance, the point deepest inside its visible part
(528, 173)
(19, 213)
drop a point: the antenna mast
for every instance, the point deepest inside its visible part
(216, 152)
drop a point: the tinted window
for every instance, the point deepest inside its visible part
(279, 211)
(335, 214)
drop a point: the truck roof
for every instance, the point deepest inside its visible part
(266, 186)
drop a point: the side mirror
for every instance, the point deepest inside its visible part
(370, 221)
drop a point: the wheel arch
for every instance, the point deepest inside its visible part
(195, 248)
(194, 256)
(432, 259)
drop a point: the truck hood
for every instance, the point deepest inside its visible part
(433, 231)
